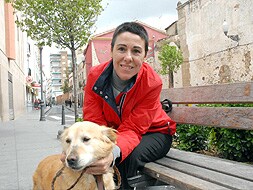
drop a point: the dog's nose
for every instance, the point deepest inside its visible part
(72, 160)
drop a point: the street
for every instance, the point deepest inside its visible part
(55, 114)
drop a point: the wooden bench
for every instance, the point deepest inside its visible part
(188, 170)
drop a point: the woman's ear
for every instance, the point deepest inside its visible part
(111, 53)
(146, 53)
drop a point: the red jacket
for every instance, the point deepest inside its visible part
(137, 110)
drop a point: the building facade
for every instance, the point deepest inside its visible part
(210, 56)
(81, 76)
(32, 74)
(12, 58)
(60, 69)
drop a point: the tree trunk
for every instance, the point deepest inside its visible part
(73, 54)
(171, 79)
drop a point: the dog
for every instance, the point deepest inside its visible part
(84, 143)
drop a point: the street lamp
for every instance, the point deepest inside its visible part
(42, 113)
(225, 30)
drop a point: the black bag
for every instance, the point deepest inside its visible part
(166, 105)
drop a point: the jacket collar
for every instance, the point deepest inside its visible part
(103, 88)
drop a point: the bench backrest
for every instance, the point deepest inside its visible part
(185, 110)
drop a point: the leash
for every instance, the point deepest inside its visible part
(59, 173)
(100, 182)
(56, 175)
(99, 179)
(117, 173)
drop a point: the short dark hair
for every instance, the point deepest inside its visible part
(132, 27)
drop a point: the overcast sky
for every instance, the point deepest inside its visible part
(156, 13)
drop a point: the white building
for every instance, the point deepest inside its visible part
(32, 73)
(60, 68)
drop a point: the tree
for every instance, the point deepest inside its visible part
(67, 23)
(65, 87)
(171, 58)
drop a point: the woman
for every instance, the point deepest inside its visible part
(124, 93)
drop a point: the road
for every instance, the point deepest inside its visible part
(55, 114)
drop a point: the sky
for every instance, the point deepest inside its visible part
(156, 13)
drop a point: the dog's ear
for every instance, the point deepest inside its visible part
(63, 134)
(110, 133)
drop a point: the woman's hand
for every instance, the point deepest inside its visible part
(63, 157)
(101, 166)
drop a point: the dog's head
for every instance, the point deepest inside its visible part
(86, 142)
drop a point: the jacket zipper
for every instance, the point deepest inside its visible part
(122, 99)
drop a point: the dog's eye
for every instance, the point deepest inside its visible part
(68, 141)
(85, 139)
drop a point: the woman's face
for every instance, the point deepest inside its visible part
(128, 55)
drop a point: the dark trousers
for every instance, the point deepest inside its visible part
(153, 146)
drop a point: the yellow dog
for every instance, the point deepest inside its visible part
(84, 143)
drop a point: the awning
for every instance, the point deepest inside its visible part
(35, 84)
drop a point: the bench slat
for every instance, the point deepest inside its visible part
(241, 170)
(227, 117)
(179, 179)
(206, 174)
(221, 93)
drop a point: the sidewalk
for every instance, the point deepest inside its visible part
(23, 143)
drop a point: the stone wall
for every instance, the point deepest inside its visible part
(210, 57)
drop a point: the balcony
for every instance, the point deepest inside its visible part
(56, 72)
(58, 84)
